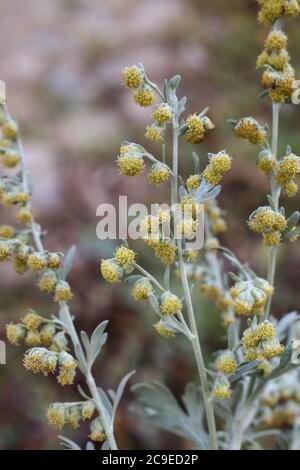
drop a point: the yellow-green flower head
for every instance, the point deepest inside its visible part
(266, 367)
(132, 77)
(142, 289)
(286, 84)
(15, 333)
(250, 338)
(265, 331)
(268, 79)
(63, 292)
(54, 260)
(144, 96)
(166, 251)
(252, 354)
(20, 266)
(264, 285)
(290, 189)
(56, 415)
(272, 349)
(6, 231)
(193, 182)
(266, 161)
(211, 176)
(10, 129)
(291, 8)
(88, 409)
(47, 332)
(20, 197)
(47, 281)
(24, 215)
(11, 159)
(195, 129)
(149, 230)
(210, 290)
(243, 306)
(67, 369)
(4, 252)
(208, 124)
(276, 40)
(272, 239)
(155, 133)
(159, 174)
(221, 162)
(170, 304)
(264, 219)
(97, 432)
(162, 330)
(59, 342)
(32, 320)
(219, 226)
(130, 164)
(288, 168)
(221, 389)
(279, 60)
(124, 256)
(162, 114)
(40, 360)
(228, 318)
(111, 271)
(37, 261)
(248, 128)
(33, 338)
(226, 363)
(191, 255)
(270, 11)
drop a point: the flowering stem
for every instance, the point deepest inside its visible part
(275, 192)
(208, 402)
(36, 234)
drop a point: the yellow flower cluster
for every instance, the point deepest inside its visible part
(248, 128)
(221, 389)
(226, 363)
(159, 174)
(219, 164)
(196, 128)
(260, 342)
(97, 431)
(287, 170)
(133, 77)
(130, 162)
(60, 414)
(142, 289)
(170, 304)
(270, 223)
(250, 297)
(34, 330)
(271, 10)
(163, 331)
(113, 269)
(266, 161)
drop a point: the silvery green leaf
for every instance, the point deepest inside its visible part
(80, 357)
(132, 279)
(288, 150)
(157, 405)
(105, 446)
(98, 339)
(293, 220)
(86, 342)
(68, 261)
(233, 122)
(173, 83)
(170, 91)
(154, 303)
(82, 393)
(106, 401)
(244, 369)
(286, 322)
(196, 162)
(232, 337)
(193, 404)
(181, 105)
(116, 396)
(206, 192)
(271, 202)
(285, 363)
(68, 443)
(236, 396)
(182, 192)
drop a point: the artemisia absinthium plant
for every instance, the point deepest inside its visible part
(234, 391)
(53, 344)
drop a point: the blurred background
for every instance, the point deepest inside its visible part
(61, 61)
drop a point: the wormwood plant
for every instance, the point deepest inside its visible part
(54, 345)
(250, 392)
(251, 389)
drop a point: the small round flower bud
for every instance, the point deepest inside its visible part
(170, 304)
(10, 129)
(88, 409)
(276, 40)
(265, 331)
(193, 182)
(111, 271)
(195, 129)
(47, 281)
(4, 252)
(40, 360)
(59, 342)
(37, 261)
(266, 161)
(33, 338)
(226, 363)
(211, 176)
(132, 77)
(221, 389)
(272, 239)
(24, 215)
(97, 431)
(250, 338)
(142, 289)
(163, 331)
(272, 349)
(124, 256)
(67, 369)
(32, 320)
(15, 333)
(63, 292)
(54, 261)
(248, 128)
(56, 415)
(130, 165)
(166, 251)
(144, 97)
(47, 332)
(221, 162)
(155, 133)
(162, 114)
(11, 159)
(290, 189)
(6, 231)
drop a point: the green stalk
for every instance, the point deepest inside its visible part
(208, 401)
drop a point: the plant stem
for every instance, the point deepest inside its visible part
(36, 234)
(148, 275)
(208, 401)
(275, 192)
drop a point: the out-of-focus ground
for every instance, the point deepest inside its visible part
(61, 62)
